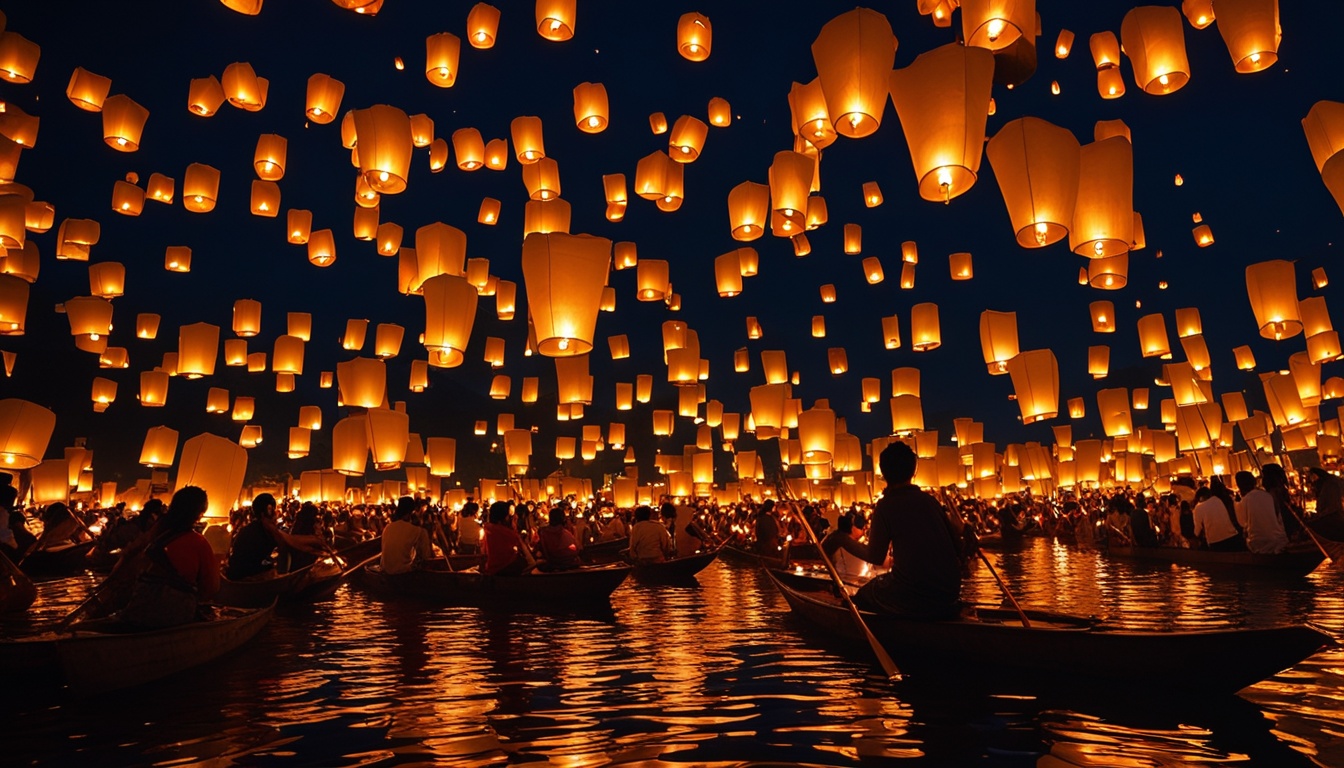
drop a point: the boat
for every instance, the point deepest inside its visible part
(990, 643)
(311, 582)
(556, 589)
(1297, 560)
(65, 559)
(739, 552)
(94, 657)
(603, 552)
(678, 569)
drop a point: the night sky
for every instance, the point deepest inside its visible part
(1236, 140)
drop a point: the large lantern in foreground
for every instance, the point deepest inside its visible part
(1154, 39)
(853, 54)
(1035, 377)
(217, 466)
(1103, 216)
(385, 145)
(450, 312)
(564, 276)
(1036, 164)
(25, 431)
(1272, 287)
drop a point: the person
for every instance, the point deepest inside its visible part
(688, 538)
(1275, 481)
(1213, 524)
(615, 527)
(559, 548)
(252, 554)
(504, 548)
(1329, 519)
(1258, 517)
(925, 576)
(406, 545)
(9, 543)
(848, 554)
(649, 540)
(767, 530)
(307, 540)
(179, 567)
(469, 530)
(1118, 520)
(1140, 522)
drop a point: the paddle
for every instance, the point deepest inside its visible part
(883, 658)
(1021, 614)
(16, 589)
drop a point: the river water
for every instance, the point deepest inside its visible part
(714, 673)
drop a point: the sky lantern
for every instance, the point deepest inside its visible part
(811, 121)
(924, 331)
(1103, 216)
(24, 264)
(720, 112)
(25, 431)
(385, 147)
(1251, 30)
(300, 441)
(1198, 12)
(217, 400)
(527, 139)
(542, 179)
(90, 317)
(355, 331)
(441, 55)
(694, 36)
(1272, 287)
(1324, 127)
(350, 445)
(687, 139)
(574, 384)
(837, 360)
(891, 332)
(564, 276)
(1306, 377)
(1110, 273)
(816, 433)
(998, 339)
(942, 99)
(1105, 50)
(997, 24)
(18, 57)
(127, 198)
(555, 19)
(1035, 376)
(1188, 322)
(590, 107)
(748, 210)
(790, 183)
(200, 187)
(269, 158)
(907, 414)
(872, 270)
(1154, 39)
(159, 448)
(322, 248)
(13, 305)
(40, 215)
(728, 274)
(1037, 166)
(1196, 352)
(482, 25)
(197, 350)
(242, 88)
(1153, 340)
(469, 148)
(299, 224)
(652, 279)
(287, 355)
(123, 122)
(854, 54)
(153, 388)
(323, 98)
(389, 237)
(107, 279)
(613, 185)
(1113, 407)
(243, 409)
(235, 352)
(265, 198)
(960, 265)
(300, 324)
(450, 312)
(1063, 44)
(362, 382)
(440, 249)
(388, 436)
(204, 96)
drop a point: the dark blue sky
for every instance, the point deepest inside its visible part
(1236, 140)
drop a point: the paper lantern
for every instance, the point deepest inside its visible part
(1153, 340)
(748, 210)
(687, 139)
(127, 198)
(997, 24)
(720, 112)
(197, 350)
(527, 139)
(542, 179)
(1250, 28)
(90, 317)
(450, 312)
(87, 90)
(256, 362)
(153, 388)
(1105, 50)
(1203, 235)
(1109, 273)
(300, 324)
(243, 88)
(694, 36)
(924, 329)
(266, 199)
(811, 120)
(123, 121)
(323, 98)
(25, 431)
(1196, 352)
(200, 187)
(1154, 39)
(107, 279)
(322, 248)
(1113, 407)
(441, 55)
(1037, 166)
(942, 99)
(891, 332)
(1098, 361)
(998, 339)
(590, 107)
(791, 176)
(652, 279)
(482, 25)
(816, 434)
(384, 148)
(564, 276)
(555, 19)
(907, 414)
(1198, 12)
(1063, 44)
(1271, 286)
(853, 55)
(1103, 218)
(18, 57)
(235, 352)
(362, 382)
(300, 224)
(270, 155)
(961, 266)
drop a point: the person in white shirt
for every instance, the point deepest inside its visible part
(1213, 522)
(405, 545)
(1258, 517)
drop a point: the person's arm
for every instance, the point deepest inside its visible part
(879, 540)
(423, 549)
(1199, 523)
(207, 576)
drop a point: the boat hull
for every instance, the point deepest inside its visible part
(676, 569)
(558, 589)
(1294, 562)
(312, 582)
(1061, 649)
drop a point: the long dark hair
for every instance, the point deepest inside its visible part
(187, 506)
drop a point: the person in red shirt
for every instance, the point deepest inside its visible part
(180, 568)
(503, 547)
(559, 548)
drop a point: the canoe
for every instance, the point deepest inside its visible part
(603, 552)
(993, 645)
(557, 589)
(312, 582)
(1296, 561)
(87, 660)
(677, 569)
(740, 553)
(61, 560)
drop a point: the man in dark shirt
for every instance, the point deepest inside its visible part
(253, 550)
(925, 576)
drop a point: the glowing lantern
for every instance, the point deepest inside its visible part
(1153, 336)
(961, 266)
(1154, 39)
(1203, 235)
(1250, 28)
(1037, 166)
(728, 274)
(300, 225)
(204, 96)
(1103, 218)
(1110, 273)
(127, 198)
(153, 388)
(1105, 50)
(828, 294)
(997, 24)
(590, 107)
(200, 187)
(1200, 15)
(1035, 376)
(123, 122)
(527, 140)
(441, 56)
(362, 382)
(564, 277)
(998, 339)
(322, 248)
(748, 210)
(907, 414)
(1098, 361)
(107, 279)
(243, 409)
(385, 147)
(90, 317)
(555, 19)
(13, 305)
(323, 98)
(854, 54)
(1110, 84)
(924, 330)
(450, 312)
(1272, 288)
(266, 199)
(652, 279)
(87, 90)
(1063, 44)
(1113, 406)
(482, 26)
(197, 350)
(687, 139)
(891, 332)
(18, 57)
(542, 179)
(243, 88)
(1196, 352)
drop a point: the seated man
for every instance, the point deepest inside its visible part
(925, 576)
(504, 548)
(469, 530)
(252, 554)
(405, 545)
(1213, 523)
(559, 548)
(767, 530)
(688, 537)
(649, 540)
(847, 553)
(1259, 517)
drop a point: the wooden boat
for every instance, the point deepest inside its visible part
(1297, 560)
(603, 552)
(558, 589)
(312, 582)
(676, 569)
(742, 553)
(992, 644)
(64, 559)
(93, 657)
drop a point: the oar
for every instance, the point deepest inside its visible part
(1021, 614)
(19, 593)
(1334, 561)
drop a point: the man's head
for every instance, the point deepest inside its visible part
(897, 462)
(557, 516)
(499, 512)
(1245, 482)
(643, 512)
(668, 511)
(263, 507)
(406, 507)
